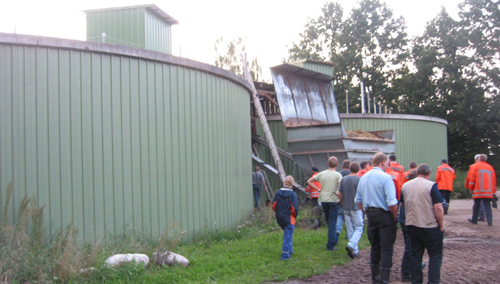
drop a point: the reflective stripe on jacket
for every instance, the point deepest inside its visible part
(482, 180)
(313, 193)
(400, 170)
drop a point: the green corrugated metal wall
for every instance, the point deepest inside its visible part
(318, 67)
(158, 33)
(134, 27)
(422, 141)
(118, 143)
(279, 136)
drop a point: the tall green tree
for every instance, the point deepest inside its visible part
(367, 46)
(451, 82)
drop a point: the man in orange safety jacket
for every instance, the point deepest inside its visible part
(445, 175)
(313, 193)
(396, 167)
(364, 168)
(406, 175)
(482, 183)
(469, 173)
(395, 178)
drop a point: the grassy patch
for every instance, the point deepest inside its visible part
(249, 254)
(254, 257)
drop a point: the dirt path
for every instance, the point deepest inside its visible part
(471, 253)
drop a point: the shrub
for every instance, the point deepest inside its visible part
(459, 190)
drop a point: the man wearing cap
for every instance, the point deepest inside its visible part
(313, 193)
(377, 197)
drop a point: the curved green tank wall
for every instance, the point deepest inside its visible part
(422, 139)
(117, 139)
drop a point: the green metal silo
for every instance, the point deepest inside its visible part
(144, 26)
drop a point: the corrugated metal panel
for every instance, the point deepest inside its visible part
(422, 141)
(122, 26)
(280, 138)
(315, 66)
(416, 140)
(118, 143)
(158, 34)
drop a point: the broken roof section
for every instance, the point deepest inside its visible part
(305, 97)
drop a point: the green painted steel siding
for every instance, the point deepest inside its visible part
(134, 27)
(279, 136)
(321, 68)
(118, 143)
(123, 27)
(416, 140)
(158, 34)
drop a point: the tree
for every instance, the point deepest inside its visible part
(368, 46)
(450, 83)
(228, 58)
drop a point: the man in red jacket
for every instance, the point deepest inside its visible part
(445, 176)
(313, 193)
(396, 167)
(482, 183)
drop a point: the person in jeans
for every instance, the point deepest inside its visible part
(257, 181)
(377, 197)
(330, 181)
(405, 262)
(340, 216)
(352, 215)
(286, 206)
(482, 184)
(424, 216)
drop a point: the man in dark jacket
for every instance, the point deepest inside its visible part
(286, 206)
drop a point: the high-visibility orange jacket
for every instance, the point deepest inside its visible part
(445, 176)
(482, 180)
(400, 170)
(469, 173)
(394, 177)
(406, 176)
(313, 193)
(362, 172)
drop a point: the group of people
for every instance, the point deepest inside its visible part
(386, 194)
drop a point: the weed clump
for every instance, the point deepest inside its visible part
(26, 254)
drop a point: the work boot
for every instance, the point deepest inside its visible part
(375, 273)
(385, 274)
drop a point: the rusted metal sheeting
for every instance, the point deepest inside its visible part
(305, 97)
(310, 115)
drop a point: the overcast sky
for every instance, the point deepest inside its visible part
(268, 26)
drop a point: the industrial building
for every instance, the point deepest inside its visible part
(121, 135)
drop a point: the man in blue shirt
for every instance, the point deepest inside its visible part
(376, 196)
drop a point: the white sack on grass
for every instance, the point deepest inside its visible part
(169, 258)
(118, 259)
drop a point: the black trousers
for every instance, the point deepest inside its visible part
(382, 229)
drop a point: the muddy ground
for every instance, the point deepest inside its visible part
(471, 253)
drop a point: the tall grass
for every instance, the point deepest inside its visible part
(26, 254)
